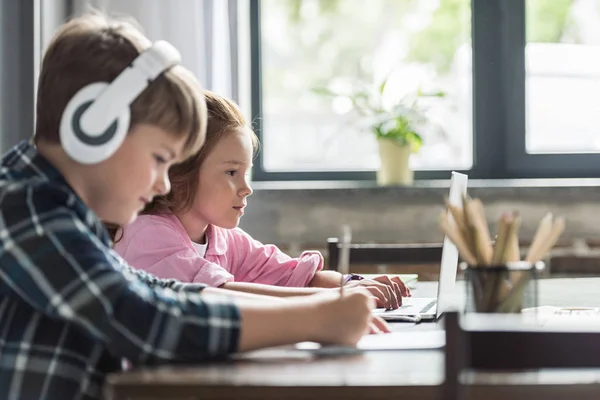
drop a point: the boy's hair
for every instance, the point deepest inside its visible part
(96, 48)
(224, 117)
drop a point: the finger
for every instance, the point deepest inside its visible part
(371, 300)
(381, 293)
(383, 279)
(390, 297)
(374, 301)
(393, 298)
(381, 324)
(408, 293)
(374, 329)
(402, 285)
(398, 293)
(403, 288)
(376, 292)
(396, 287)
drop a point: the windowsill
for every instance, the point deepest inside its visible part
(308, 212)
(426, 184)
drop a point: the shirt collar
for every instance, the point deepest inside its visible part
(25, 162)
(217, 241)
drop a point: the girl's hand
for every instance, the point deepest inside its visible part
(400, 288)
(385, 294)
(389, 295)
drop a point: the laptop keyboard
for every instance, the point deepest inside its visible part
(428, 306)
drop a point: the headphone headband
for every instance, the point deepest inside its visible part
(127, 87)
(96, 119)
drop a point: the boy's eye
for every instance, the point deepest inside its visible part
(231, 172)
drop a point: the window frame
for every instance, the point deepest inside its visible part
(499, 105)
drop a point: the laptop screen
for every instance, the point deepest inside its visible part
(449, 263)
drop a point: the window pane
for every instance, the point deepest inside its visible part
(311, 44)
(563, 76)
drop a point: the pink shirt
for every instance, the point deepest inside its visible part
(160, 245)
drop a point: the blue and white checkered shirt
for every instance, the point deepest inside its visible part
(71, 309)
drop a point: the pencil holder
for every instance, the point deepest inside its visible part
(506, 288)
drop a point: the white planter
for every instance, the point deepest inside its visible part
(394, 169)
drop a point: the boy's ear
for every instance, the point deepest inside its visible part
(86, 143)
(96, 120)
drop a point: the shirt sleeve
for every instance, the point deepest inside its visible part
(162, 282)
(160, 250)
(55, 264)
(267, 264)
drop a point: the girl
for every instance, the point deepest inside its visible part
(191, 234)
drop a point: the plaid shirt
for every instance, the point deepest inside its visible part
(70, 307)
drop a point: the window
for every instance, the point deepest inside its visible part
(519, 79)
(311, 44)
(563, 76)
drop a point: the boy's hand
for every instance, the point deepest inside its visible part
(378, 325)
(343, 319)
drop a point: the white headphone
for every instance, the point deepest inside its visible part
(96, 120)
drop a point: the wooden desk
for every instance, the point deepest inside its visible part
(373, 375)
(416, 374)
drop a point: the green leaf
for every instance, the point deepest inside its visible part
(361, 103)
(359, 96)
(416, 141)
(382, 85)
(431, 94)
(398, 123)
(323, 91)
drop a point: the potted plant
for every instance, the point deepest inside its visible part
(396, 127)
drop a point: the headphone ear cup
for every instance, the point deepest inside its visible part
(90, 147)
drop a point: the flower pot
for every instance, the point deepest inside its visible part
(394, 169)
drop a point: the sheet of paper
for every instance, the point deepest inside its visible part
(385, 341)
(405, 340)
(563, 317)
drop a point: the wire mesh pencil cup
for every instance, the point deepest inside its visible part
(506, 288)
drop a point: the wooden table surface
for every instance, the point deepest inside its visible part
(292, 374)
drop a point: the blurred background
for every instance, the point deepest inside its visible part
(519, 112)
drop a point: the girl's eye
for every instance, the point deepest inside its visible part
(159, 159)
(231, 172)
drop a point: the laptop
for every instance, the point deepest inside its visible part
(430, 309)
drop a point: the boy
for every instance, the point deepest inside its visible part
(70, 308)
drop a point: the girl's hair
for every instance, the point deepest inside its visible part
(224, 117)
